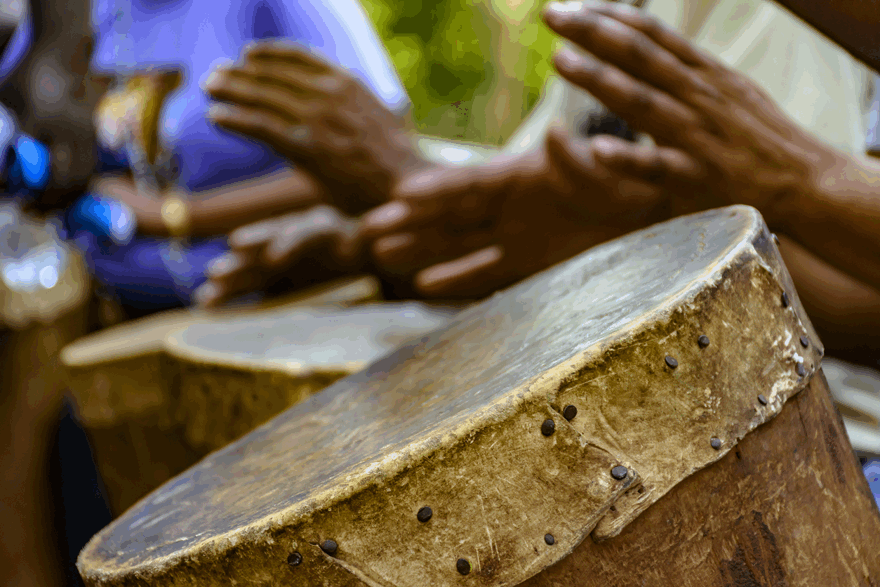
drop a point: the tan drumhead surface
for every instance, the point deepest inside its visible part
(147, 335)
(306, 340)
(475, 374)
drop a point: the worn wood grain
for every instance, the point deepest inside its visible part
(457, 422)
(788, 507)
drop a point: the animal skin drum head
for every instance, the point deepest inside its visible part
(661, 341)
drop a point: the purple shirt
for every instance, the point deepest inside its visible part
(194, 35)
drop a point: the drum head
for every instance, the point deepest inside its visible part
(603, 381)
(304, 341)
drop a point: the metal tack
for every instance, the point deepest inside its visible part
(775, 239)
(295, 559)
(330, 547)
(703, 341)
(671, 362)
(463, 566)
(569, 413)
(619, 472)
(762, 400)
(715, 443)
(424, 514)
(805, 342)
(799, 369)
(548, 427)
(785, 300)
(548, 538)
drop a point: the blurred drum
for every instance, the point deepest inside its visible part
(232, 376)
(651, 412)
(124, 387)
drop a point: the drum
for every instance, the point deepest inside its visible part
(123, 384)
(232, 376)
(651, 412)
(856, 391)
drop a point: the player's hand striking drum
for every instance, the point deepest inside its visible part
(649, 412)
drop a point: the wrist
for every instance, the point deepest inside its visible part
(803, 201)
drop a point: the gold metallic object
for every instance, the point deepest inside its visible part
(175, 216)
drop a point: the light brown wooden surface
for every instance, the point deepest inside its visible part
(31, 391)
(788, 507)
(457, 422)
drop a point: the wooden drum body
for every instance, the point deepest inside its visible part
(649, 413)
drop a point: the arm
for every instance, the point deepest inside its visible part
(844, 310)
(220, 210)
(741, 147)
(837, 217)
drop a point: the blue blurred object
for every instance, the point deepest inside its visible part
(30, 167)
(872, 472)
(111, 221)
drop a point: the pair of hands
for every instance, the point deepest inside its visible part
(464, 232)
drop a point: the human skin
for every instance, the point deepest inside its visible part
(319, 116)
(742, 147)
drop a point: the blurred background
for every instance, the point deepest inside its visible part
(474, 69)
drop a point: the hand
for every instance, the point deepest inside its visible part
(741, 148)
(318, 115)
(298, 249)
(465, 232)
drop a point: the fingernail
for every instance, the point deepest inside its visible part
(392, 243)
(386, 215)
(565, 7)
(576, 60)
(603, 147)
(205, 293)
(211, 79)
(219, 111)
(222, 265)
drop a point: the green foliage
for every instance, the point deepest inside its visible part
(447, 54)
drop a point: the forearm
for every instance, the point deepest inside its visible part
(838, 218)
(844, 310)
(220, 210)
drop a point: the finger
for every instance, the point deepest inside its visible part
(289, 139)
(253, 235)
(217, 291)
(207, 295)
(644, 106)
(302, 83)
(568, 15)
(404, 254)
(461, 196)
(288, 102)
(410, 210)
(322, 228)
(647, 162)
(229, 263)
(288, 53)
(635, 53)
(474, 275)
(576, 155)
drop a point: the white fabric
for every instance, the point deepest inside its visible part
(817, 83)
